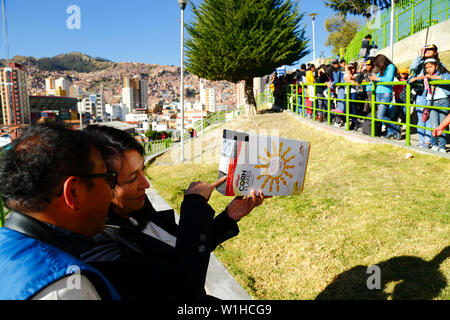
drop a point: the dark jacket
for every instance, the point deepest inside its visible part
(48, 251)
(141, 267)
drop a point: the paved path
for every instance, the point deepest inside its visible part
(219, 282)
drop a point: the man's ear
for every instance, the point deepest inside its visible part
(71, 192)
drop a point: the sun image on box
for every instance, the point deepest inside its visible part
(274, 165)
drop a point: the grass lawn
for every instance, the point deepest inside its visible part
(362, 205)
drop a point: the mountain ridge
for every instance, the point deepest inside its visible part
(72, 61)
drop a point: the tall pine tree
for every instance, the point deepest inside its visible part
(237, 40)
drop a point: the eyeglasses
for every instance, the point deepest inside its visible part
(111, 177)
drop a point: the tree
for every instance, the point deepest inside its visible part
(235, 40)
(354, 7)
(340, 32)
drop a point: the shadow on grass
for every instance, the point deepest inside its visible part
(411, 278)
(270, 111)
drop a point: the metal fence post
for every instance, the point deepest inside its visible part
(291, 99)
(328, 105)
(372, 116)
(408, 114)
(314, 101)
(296, 97)
(303, 99)
(347, 107)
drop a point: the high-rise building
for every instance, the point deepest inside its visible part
(135, 93)
(63, 83)
(93, 105)
(240, 94)
(258, 86)
(74, 91)
(143, 94)
(50, 86)
(208, 97)
(14, 95)
(128, 98)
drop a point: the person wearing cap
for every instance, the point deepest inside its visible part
(418, 69)
(338, 77)
(366, 71)
(436, 95)
(350, 76)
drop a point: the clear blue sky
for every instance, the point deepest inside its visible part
(145, 31)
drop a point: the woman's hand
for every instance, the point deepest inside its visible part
(239, 207)
(203, 188)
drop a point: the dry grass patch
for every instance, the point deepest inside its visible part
(363, 204)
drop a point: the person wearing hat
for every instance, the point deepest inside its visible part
(366, 70)
(437, 96)
(418, 69)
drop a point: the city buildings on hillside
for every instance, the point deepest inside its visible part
(135, 93)
(14, 95)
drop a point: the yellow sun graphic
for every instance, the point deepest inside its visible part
(272, 165)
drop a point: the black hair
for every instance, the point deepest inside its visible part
(303, 66)
(368, 36)
(37, 163)
(342, 60)
(381, 62)
(114, 141)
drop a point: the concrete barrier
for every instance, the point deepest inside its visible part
(406, 49)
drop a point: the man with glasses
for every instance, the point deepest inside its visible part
(57, 185)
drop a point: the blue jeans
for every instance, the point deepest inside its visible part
(424, 135)
(300, 104)
(354, 106)
(392, 129)
(436, 117)
(341, 95)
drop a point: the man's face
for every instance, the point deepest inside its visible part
(98, 199)
(129, 194)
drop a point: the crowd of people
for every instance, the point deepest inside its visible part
(372, 70)
(82, 227)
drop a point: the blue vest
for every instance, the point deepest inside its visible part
(28, 265)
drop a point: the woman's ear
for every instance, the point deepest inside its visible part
(71, 192)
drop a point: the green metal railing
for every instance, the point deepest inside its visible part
(156, 146)
(410, 17)
(294, 106)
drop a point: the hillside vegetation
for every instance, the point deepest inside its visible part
(74, 61)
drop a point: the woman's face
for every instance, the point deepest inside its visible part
(429, 53)
(129, 194)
